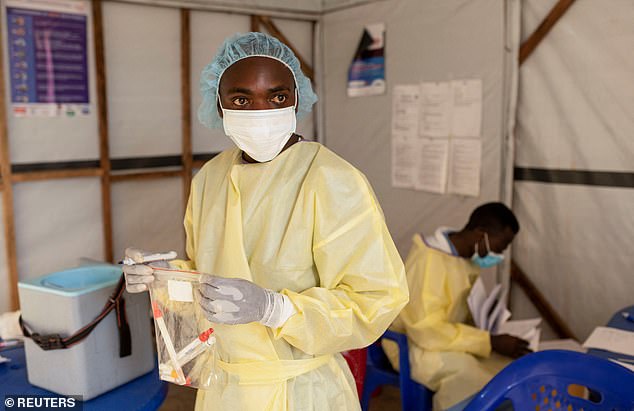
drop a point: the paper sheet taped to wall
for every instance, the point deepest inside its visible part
(405, 142)
(467, 108)
(435, 109)
(430, 121)
(432, 170)
(451, 108)
(465, 163)
(405, 160)
(405, 103)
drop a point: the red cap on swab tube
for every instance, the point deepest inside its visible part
(156, 311)
(204, 336)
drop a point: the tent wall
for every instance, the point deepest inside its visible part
(144, 118)
(59, 221)
(425, 41)
(575, 162)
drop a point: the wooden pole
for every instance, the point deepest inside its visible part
(186, 114)
(56, 174)
(255, 23)
(148, 175)
(272, 28)
(7, 192)
(533, 41)
(102, 111)
(541, 303)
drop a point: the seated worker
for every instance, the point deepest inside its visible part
(300, 262)
(447, 355)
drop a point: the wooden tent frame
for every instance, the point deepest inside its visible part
(104, 171)
(518, 276)
(8, 178)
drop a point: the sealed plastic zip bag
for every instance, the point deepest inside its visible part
(184, 339)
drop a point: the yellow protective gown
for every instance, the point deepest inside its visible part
(306, 224)
(446, 355)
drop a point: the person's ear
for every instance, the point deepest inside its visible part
(218, 107)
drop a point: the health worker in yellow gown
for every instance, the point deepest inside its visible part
(301, 264)
(447, 355)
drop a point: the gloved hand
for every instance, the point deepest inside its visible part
(139, 275)
(239, 301)
(509, 345)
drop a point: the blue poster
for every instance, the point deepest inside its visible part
(366, 75)
(48, 60)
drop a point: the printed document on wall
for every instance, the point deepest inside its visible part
(465, 162)
(467, 108)
(405, 144)
(432, 171)
(405, 102)
(435, 109)
(405, 158)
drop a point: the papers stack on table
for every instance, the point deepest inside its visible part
(616, 341)
(489, 313)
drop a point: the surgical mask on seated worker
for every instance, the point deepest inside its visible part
(262, 134)
(490, 259)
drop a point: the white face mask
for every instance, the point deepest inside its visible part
(262, 134)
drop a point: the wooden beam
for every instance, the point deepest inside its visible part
(255, 23)
(7, 192)
(148, 175)
(186, 113)
(102, 111)
(56, 174)
(198, 163)
(542, 30)
(272, 28)
(541, 303)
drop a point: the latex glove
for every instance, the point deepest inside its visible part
(239, 301)
(509, 345)
(139, 275)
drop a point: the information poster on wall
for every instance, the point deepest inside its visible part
(465, 163)
(366, 75)
(451, 108)
(48, 57)
(436, 145)
(405, 141)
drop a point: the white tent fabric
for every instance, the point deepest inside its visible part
(59, 221)
(575, 113)
(425, 41)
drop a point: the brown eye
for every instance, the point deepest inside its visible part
(240, 101)
(280, 98)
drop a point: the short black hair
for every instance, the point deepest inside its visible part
(493, 217)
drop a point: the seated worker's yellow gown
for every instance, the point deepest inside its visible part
(446, 355)
(306, 224)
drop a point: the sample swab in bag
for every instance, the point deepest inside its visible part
(184, 339)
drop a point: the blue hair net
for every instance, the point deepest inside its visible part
(241, 46)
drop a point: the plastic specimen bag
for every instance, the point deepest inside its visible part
(184, 339)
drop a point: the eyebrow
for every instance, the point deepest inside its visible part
(239, 90)
(279, 88)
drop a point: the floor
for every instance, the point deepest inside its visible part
(183, 398)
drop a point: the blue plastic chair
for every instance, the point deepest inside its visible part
(540, 381)
(379, 371)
